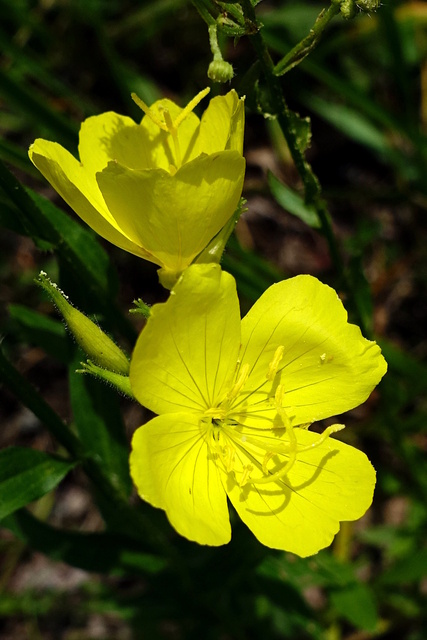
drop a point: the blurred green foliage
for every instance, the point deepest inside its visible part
(365, 89)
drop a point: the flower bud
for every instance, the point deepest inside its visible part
(220, 71)
(94, 342)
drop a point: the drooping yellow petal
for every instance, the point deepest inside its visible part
(172, 469)
(300, 513)
(80, 191)
(111, 136)
(174, 216)
(327, 367)
(187, 351)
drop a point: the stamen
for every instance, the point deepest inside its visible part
(245, 477)
(173, 130)
(168, 120)
(266, 460)
(274, 364)
(190, 106)
(239, 384)
(148, 112)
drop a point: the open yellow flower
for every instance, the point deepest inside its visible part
(161, 189)
(235, 400)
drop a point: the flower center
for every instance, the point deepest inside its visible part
(169, 125)
(257, 456)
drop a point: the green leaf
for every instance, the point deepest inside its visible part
(101, 552)
(292, 202)
(35, 329)
(26, 475)
(352, 123)
(356, 604)
(99, 423)
(411, 568)
(324, 570)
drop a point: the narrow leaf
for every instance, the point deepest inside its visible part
(292, 202)
(26, 475)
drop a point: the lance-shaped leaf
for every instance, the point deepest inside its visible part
(26, 475)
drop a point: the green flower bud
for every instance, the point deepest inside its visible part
(98, 346)
(220, 71)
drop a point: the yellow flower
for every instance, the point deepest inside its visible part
(161, 189)
(235, 400)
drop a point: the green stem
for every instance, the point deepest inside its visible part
(213, 41)
(312, 189)
(205, 9)
(305, 46)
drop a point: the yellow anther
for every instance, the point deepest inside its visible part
(168, 120)
(266, 460)
(274, 364)
(279, 395)
(148, 112)
(239, 384)
(246, 475)
(190, 106)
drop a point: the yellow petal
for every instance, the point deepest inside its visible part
(80, 191)
(301, 513)
(110, 136)
(172, 469)
(174, 217)
(222, 125)
(188, 349)
(327, 367)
